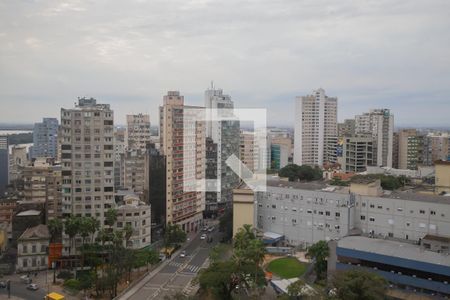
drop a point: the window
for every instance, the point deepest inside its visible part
(363, 218)
(372, 206)
(33, 249)
(24, 249)
(399, 209)
(422, 211)
(274, 206)
(432, 212)
(338, 215)
(371, 219)
(43, 249)
(327, 213)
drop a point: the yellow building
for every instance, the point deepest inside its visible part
(442, 170)
(243, 207)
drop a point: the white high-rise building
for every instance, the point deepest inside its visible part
(87, 160)
(315, 128)
(380, 124)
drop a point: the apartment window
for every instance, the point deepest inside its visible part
(363, 218)
(327, 213)
(432, 212)
(422, 211)
(24, 249)
(380, 207)
(338, 215)
(363, 204)
(33, 249)
(274, 206)
(371, 219)
(372, 206)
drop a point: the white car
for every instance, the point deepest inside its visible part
(203, 237)
(32, 286)
(183, 254)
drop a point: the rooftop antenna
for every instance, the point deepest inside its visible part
(212, 84)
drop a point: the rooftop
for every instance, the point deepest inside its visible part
(37, 232)
(318, 185)
(394, 249)
(437, 238)
(30, 212)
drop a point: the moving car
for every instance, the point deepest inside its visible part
(203, 237)
(183, 254)
(32, 287)
(211, 229)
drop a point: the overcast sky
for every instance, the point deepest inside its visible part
(370, 54)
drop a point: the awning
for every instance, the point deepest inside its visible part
(272, 237)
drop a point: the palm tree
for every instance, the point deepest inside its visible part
(94, 226)
(71, 228)
(243, 236)
(55, 227)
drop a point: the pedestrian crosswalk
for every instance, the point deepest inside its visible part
(187, 268)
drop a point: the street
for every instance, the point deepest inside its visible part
(19, 290)
(177, 273)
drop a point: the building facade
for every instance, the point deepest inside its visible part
(410, 147)
(4, 163)
(183, 207)
(32, 247)
(17, 161)
(42, 184)
(225, 135)
(357, 153)
(315, 128)
(134, 172)
(379, 123)
(45, 138)
(138, 130)
(87, 159)
(135, 213)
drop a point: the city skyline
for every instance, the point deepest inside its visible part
(371, 55)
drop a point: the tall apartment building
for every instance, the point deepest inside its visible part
(249, 153)
(138, 129)
(4, 163)
(225, 134)
(155, 182)
(357, 153)
(42, 184)
(134, 172)
(315, 129)
(380, 124)
(410, 147)
(45, 138)
(435, 147)
(183, 206)
(120, 147)
(87, 159)
(395, 149)
(17, 161)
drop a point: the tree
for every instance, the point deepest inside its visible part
(55, 227)
(94, 226)
(220, 278)
(85, 227)
(110, 217)
(357, 284)
(243, 236)
(128, 232)
(71, 228)
(319, 251)
(174, 236)
(300, 173)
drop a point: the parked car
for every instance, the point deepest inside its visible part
(2, 285)
(205, 228)
(32, 287)
(203, 237)
(183, 254)
(25, 279)
(211, 229)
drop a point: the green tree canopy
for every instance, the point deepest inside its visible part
(300, 173)
(357, 284)
(55, 227)
(174, 235)
(319, 251)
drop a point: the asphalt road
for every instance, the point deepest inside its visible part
(19, 290)
(178, 273)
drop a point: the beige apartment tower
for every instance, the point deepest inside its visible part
(87, 160)
(315, 129)
(184, 206)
